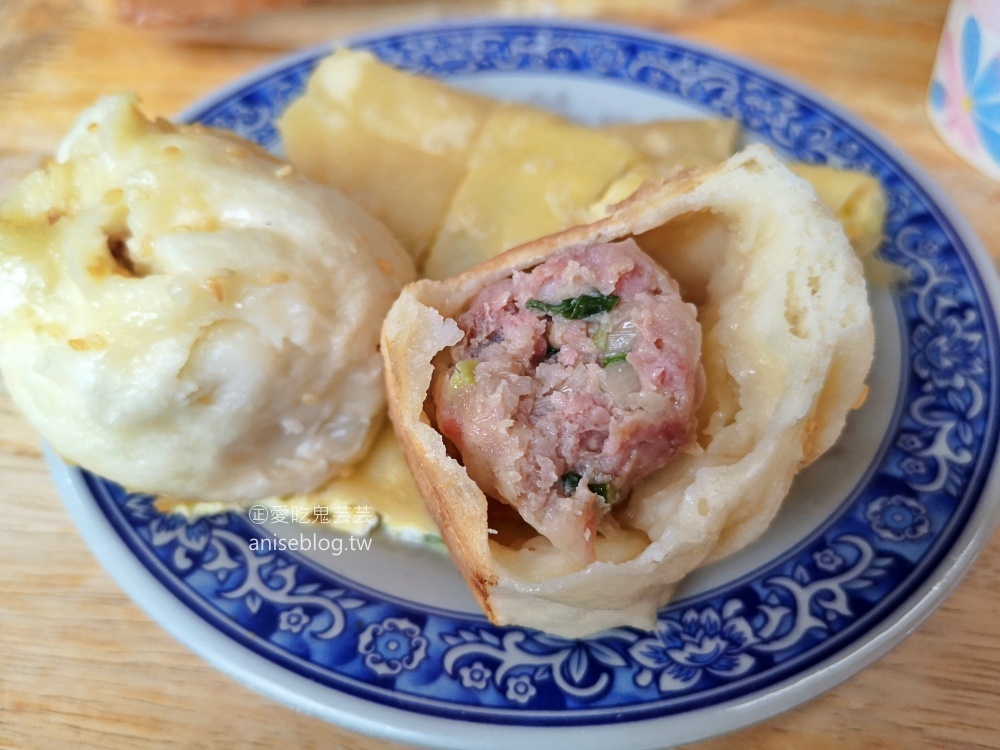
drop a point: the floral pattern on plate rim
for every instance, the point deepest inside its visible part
(732, 641)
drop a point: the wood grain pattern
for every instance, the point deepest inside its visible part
(84, 667)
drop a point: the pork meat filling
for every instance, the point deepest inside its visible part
(575, 380)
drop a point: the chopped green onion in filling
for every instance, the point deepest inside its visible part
(600, 337)
(605, 490)
(464, 375)
(576, 308)
(612, 358)
(571, 480)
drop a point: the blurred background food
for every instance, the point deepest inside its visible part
(129, 41)
(56, 56)
(183, 12)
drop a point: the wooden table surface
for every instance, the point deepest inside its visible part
(81, 666)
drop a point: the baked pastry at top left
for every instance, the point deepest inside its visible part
(185, 315)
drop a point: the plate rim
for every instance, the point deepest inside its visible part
(412, 726)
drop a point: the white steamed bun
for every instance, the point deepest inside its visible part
(181, 313)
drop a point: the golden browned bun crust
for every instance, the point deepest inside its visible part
(787, 343)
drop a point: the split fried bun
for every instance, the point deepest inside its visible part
(786, 343)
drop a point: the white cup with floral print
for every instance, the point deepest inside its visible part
(964, 97)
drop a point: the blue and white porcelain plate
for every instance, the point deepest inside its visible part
(387, 640)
